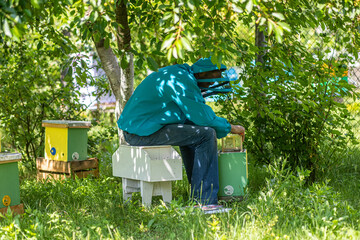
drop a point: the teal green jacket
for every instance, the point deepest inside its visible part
(169, 96)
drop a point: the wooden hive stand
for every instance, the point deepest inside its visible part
(57, 170)
(148, 170)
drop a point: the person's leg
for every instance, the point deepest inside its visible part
(188, 155)
(200, 156)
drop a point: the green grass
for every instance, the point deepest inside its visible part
(278, 205)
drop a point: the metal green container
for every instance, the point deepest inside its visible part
(9, 179)
(233, 174)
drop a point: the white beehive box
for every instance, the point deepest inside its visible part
(150, 163)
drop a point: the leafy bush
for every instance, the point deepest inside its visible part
(102, 143)
(32, 91)
(98, 137)
(290, 108)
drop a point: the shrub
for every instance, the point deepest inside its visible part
(32, 91)
(290, 108)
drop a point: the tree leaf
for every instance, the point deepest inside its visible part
(83, 64)
(176, 18)
(16, 33)
(249, 6)
(107, 43)
(186, 43)
(35, 3)
(237, 9)
(28, 12)
(39, 45)
(152, 64)
(96, 15)
(139, 63)
(174, 53)
(191, 5)
(169, 54)
(124, 62)
(7, 28)
(278, 34)
(285, 26)
(270, 27)
(167, 15)
(179, 48)
(278, 15)
(178, 44)
(305, 107)
(168, 42)
(70, 72)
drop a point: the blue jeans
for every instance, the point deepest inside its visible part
(198, 148)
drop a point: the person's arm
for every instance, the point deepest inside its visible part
(188, 98)
(237, 129)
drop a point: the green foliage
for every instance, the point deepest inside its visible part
(102, 143)
(162, 32)
(291, 109)
(287, 203)
(31, 91)
(290, 100)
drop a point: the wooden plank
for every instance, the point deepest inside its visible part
(54, 125)
(84, 174)
(59, 125)
(84, 164)
(59, 170)
(61, 176)
(79, 126)
(17, 209)
(66, 167)
(43, 176)
(10, 161)
(9, 157)
(52, 165)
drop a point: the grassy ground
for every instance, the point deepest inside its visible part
(278, 205)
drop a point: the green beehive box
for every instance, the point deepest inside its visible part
(233, 169)
(9, 180)
(66, 140)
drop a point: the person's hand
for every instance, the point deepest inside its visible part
(237, 129)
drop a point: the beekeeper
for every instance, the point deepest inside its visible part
(168, 108)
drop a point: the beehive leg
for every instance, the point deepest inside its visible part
(129, 186)
(166, 191)
(146, 192)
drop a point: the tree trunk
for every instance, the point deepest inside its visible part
(121, 80)
(260, 42)
(124, 44)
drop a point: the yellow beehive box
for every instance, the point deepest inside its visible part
(66, 140)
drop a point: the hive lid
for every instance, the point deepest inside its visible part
(66, 124)
(9, 157)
